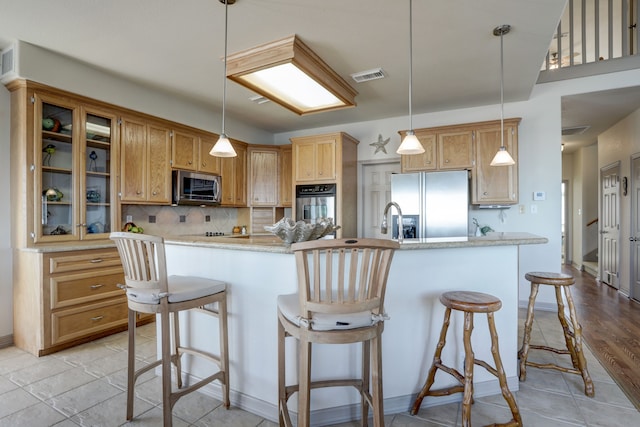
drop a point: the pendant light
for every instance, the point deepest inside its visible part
(223, 147)
(410, 144)
(502, 157)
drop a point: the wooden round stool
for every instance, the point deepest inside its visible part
(469, 303)
(572, 332)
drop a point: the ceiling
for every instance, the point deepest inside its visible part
(177, 47)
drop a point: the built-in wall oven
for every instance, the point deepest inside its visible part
(315, 202)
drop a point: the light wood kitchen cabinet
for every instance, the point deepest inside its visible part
(286, 176)
(185, 149)
(455, 149)
(233, 173)
(206, 162)
(145, 155)
(330, 158)
(263, 175)
(495, 185)
(315, 158)
(67, 298)
(426, 161)
(190, 151)
(64, 163)
(445, 148)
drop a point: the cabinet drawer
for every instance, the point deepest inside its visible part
(76, 323)
(84, 260)
(70, 289)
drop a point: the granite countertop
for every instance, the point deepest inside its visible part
(269, 243)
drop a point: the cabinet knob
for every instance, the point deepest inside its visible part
(138, 193)
(485, 193)
(428, 162)
(446, 161)
(155, 193)
(204, 164)
(320, 173)
(189, 162)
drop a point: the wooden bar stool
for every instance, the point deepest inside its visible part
(469, 303)
(572, 332)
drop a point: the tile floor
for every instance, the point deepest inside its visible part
(85, 386)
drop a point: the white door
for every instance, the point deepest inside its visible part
(635, 227)
(610, 224)
(376, 194)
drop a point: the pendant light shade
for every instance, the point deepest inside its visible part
(223, 147)
(502, 157)
(410, 144)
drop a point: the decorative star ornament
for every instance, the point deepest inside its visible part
(379, 144)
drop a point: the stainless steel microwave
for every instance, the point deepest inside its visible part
(194, 188)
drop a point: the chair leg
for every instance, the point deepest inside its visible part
(436, 361)
(282, 393)
(131, 362)
(502, 378)
(376, 369)
(166, 366)
(304, 380)
(176, 347)
(523, 354)
(469, 357)
(568, 338)
(224, 349)
(366, 382)
(579, 355)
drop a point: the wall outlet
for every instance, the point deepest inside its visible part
(534, 209)
(152, 219)
(207, 218)
(129, 218)
(521, 209)
(183, 218)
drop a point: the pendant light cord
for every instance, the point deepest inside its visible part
(410, 64)
(224, 77)
(501, 91)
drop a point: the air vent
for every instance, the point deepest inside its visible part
(9, 65)
(365, 76)
(578, 130)
(258, 99)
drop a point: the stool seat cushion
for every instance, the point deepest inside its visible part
(289, 307)
(181, 288)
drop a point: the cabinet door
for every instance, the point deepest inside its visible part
(240, 175)
(495, 184)
(286, 176)
(326, 160)
(159, 172)
(56, 134)
(207, 162)
(98, 206)
(455, 150)
(425, 161)
(133, 160)
(184, 150)
(263, 168)
(305, 161)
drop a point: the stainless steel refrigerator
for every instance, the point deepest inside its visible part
(433, 204)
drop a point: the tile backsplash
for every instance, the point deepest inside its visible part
(168, 219)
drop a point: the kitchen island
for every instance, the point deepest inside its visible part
(259, 268)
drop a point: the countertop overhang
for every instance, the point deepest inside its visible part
(269, 243)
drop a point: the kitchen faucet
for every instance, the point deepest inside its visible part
(383, 226)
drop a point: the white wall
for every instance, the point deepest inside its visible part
(6, 284)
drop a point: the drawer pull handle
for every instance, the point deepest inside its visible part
(98, 286)
(96, 260)
(95, 319)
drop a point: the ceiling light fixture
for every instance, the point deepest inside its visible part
(502, 157)
(410, 144)
(289, 73)
(223, 147)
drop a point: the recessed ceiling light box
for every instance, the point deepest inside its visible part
(289, 73)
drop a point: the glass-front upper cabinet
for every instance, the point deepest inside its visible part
(97, 214)
(72, 171)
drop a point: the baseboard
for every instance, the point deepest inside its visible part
(6, 341)
(542, 306)
(346, 413)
